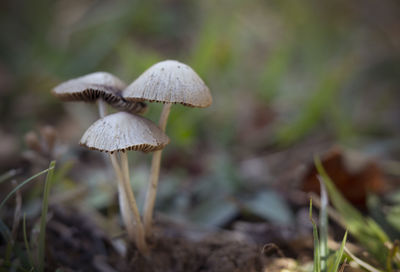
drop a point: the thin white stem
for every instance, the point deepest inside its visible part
(151, 191)
(140, 235)
(162, 123)
(129, 210)
(127, 218)
(102, 107)
(123, 203)
(154, 175)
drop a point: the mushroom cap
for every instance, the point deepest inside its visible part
(97, 85)
(90, 87)
(170, 81)
(123, 131)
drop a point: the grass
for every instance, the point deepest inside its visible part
(317, 251)
(43, 218)
(323, 224)
(27, 247)
(322, 261)
(19, 186)
(368, 232)
(12, 248)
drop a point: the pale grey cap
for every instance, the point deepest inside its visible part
(170, 81)
(97, 85)
(123, 131)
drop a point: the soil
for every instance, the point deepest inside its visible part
(76, 244)
(182, 255)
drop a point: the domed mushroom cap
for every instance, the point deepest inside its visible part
(170, 81)
(90, 87)
(97, 85)
(123, 131)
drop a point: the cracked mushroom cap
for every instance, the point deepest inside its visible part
(122, 131)
(170, 81)
(97, 85)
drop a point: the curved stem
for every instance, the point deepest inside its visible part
(154, 175)
(129, 210)
(140, 235)
(123, 204)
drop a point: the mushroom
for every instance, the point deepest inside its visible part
(115, 134)
(100, 87)
(168, 82)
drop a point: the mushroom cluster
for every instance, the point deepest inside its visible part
(168, 82)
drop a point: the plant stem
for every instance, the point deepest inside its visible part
(140, 238)
(123, 204)
(154, 175)
(43, 217)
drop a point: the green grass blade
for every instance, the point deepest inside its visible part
(28, 250)
(43, 218)
(317, 252)
(21, 185)
(339, 255)
(323, 226)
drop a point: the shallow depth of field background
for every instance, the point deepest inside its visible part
(289, 79)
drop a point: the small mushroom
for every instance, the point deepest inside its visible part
(123, 131)
(115, 134)
(168, 82)
(98, 86)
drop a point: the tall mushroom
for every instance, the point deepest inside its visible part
(101, 87)
(168, 82)
(97, 87)
(115, 134)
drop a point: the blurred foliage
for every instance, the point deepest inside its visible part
(280, 70)
(300, 57)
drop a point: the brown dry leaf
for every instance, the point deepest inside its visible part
(354, 185)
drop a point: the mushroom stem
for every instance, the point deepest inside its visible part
(123, 203)
(154, 175)
(126, 197)
(102, 107)
(162, 123)
(140, 235)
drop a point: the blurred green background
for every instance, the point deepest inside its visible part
(285, 75)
